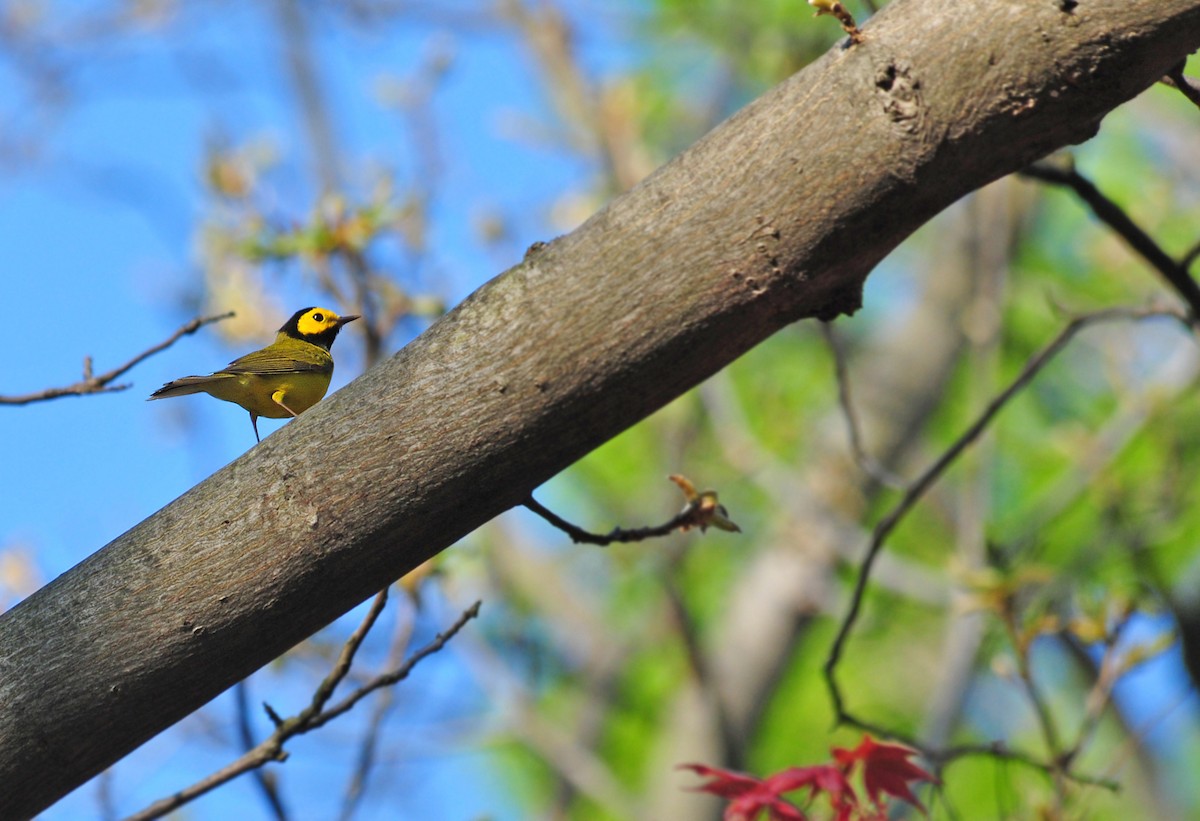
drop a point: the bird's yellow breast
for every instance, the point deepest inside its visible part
(255, 392)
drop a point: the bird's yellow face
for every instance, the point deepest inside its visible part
(316, 321)
(318, 326)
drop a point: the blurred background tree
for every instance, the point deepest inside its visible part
(163, 159)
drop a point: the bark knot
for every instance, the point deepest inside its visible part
(900, 93)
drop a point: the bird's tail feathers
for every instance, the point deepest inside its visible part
(184, 386)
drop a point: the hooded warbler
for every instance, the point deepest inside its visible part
(284, 379)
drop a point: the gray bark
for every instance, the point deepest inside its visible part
(777, 215)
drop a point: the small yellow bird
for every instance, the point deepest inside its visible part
(284, 379)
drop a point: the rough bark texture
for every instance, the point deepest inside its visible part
(777, 215)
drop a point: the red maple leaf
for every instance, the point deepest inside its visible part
(886, 769)
(749, 796)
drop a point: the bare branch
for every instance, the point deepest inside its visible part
(702, 510)
(267, 784)
(1100, 695)
(866, 463)
(102, 383)
(918, 488)
(341, 667)
(369, 744)
(400, 673)
(1000, 751)
(314, 715)
(1114, 217)
(1041, 710)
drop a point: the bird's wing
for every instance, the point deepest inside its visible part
(272, 362)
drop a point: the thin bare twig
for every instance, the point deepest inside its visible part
(92, 383)
(883, 529)
(400, 673)
(1114, 217)
(369, 744)
(866, 463)
(267, 784)
(617, 534)
(702, 510)
(835, 9)
(316, 714)
(1045, 718)
(940, 757)
(998, 750)
(1100, 695)
(341, 667)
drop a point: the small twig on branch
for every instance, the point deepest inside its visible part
(400, 673)
(1100, 696)
(267, 784)
(1187, 86)
(102, 383)
(1045, 719)
(702, 510)
(866, 463)
(917, 489)
(369, 743)
(998, 750)
(836, 9)
(1110, 214)
(315, 714)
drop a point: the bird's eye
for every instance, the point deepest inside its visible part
(318, 317)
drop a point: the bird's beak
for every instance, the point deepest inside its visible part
(342, 320)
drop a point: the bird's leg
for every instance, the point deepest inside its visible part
(277, 398)
(254, 424)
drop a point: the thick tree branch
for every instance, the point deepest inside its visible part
(777, 215)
